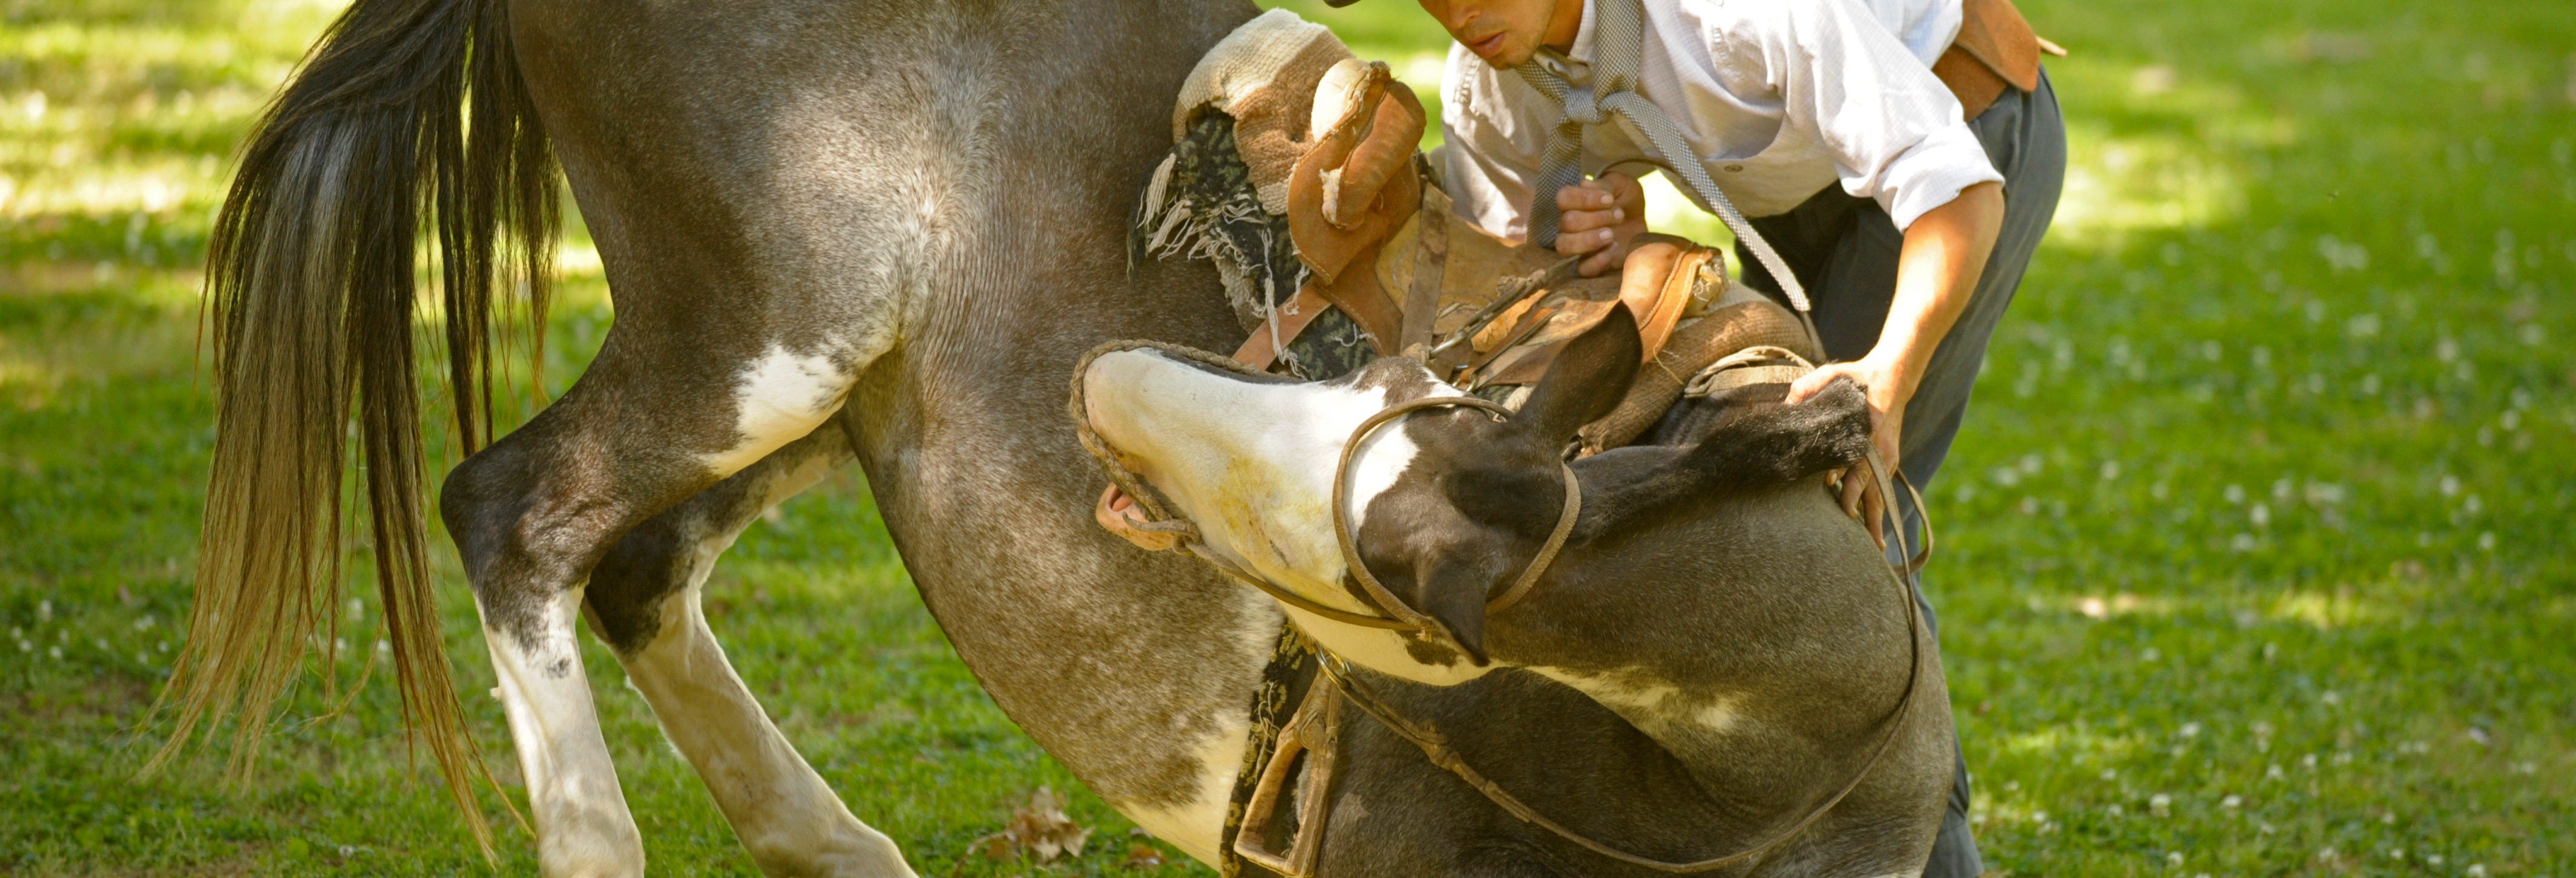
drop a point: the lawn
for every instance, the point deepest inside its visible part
(2253, 550)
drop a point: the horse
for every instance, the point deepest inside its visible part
(834, 232)
(1705, 587)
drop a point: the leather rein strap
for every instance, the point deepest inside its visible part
(1402, 617)
(1423, 626)
(1398, 616)
(1435, 746)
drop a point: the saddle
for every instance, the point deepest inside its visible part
(1297, 169)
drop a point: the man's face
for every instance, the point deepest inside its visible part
(1507, 32)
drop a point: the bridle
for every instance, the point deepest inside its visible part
(1345, 686)
(1393, 614)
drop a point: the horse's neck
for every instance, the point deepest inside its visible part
(1746, 625)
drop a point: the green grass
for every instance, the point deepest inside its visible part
(2252, 550)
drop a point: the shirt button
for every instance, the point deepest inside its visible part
(1735, 169)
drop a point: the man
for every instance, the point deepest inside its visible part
(1907, 221)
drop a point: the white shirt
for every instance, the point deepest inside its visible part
(1780, 98)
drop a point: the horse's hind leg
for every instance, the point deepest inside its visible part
(663, 413)
(644, 600)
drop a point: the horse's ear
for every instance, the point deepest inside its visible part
(1588, 378)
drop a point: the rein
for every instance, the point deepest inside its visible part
(1423, 626)
(1397, 615)
(1435, 746)
(1402, 617)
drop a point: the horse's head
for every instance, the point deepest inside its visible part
(1446, 506)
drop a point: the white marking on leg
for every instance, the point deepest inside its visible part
(782, 397)
(583, 827)
(783, 812)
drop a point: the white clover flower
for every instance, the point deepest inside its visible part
(2191, 730)
(2232, 801)
(2174, 859)
(2476, 870)
(2160, 803)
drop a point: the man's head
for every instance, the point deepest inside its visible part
(1506, 32)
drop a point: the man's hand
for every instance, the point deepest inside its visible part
(1598, 218)
(1887, 395)
(1945, 252)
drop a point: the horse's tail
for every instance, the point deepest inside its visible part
(409, 117)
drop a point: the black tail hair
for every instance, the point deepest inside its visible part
(408, 117)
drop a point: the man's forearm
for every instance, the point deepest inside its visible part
(1945, 253)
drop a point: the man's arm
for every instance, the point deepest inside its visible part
(1945, 253)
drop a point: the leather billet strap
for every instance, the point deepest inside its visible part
(1760, 364)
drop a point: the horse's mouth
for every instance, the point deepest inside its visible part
(1119, 514)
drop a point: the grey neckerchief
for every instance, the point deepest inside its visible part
(1618, 46)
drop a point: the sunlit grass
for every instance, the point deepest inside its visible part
(2253, 549)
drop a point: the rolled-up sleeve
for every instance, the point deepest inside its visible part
(1895, 131)
(1494, 141)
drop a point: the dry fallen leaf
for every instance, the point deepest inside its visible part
(1039, 829)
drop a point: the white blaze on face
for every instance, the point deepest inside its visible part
(1251, 463)
(782, 397)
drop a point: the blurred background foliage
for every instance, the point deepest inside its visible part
(2254, 548)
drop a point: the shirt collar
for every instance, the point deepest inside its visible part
(1581, 51)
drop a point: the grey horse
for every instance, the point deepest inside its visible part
(834, 230)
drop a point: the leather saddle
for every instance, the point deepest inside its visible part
(1381, 246)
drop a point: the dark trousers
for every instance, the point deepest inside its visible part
(1844, 250)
